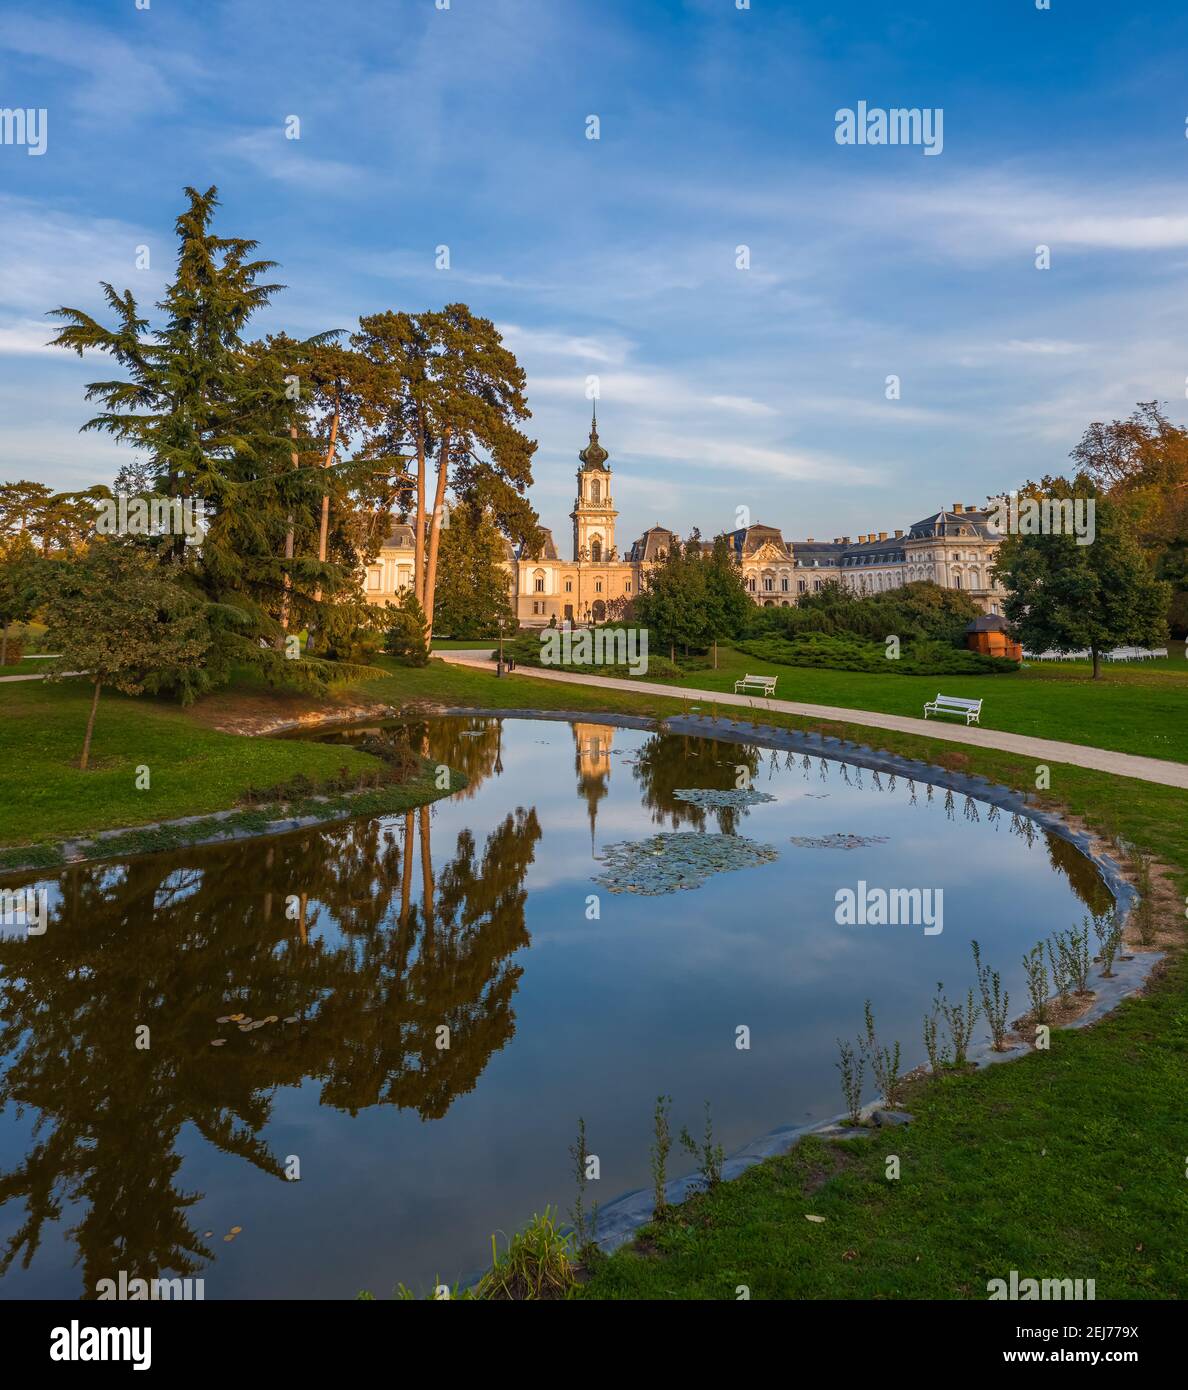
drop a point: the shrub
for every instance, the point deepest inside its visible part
(852, 1065)
(405, 639)
(661, 1147)
(848, 653)
(710, 1154)
(995, 1000)
(884, 1061)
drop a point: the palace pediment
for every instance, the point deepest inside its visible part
(768, 554)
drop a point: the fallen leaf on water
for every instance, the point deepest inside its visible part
(217, 1042)
(226, 1018)
(234, 1018)
(292, 1018)
(228, 1237)
(235, 1230)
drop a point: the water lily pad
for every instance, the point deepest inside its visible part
(711, 797)
(666, 862)
(838, 840)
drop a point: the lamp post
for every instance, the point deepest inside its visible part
(499, 665)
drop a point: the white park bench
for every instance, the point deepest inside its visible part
(765, 684)
(953, 704)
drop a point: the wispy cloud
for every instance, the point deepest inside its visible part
(271, 153)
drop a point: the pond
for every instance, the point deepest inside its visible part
(293, 1124)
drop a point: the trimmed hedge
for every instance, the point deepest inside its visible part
(920, 658)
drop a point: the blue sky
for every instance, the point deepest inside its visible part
(720, 388)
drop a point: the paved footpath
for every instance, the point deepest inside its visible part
(1043, 750)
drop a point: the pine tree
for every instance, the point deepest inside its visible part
(455, 402)
(215, 419)
(471, 596)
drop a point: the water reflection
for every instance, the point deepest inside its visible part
(164, 943)
(377, 935)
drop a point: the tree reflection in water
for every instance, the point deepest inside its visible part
(356, 932)
(175, 942)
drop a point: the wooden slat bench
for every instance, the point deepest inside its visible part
(954, 704)
(765, 684)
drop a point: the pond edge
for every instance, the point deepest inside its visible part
(622, 1217)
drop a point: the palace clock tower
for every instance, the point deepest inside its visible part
(594, 511)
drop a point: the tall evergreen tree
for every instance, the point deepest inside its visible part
(472, 596)
(455, 402)
(215, 419)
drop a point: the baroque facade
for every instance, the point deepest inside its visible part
(954, 548)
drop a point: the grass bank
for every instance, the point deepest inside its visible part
(192, 770)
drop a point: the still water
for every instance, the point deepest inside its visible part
(362, 940)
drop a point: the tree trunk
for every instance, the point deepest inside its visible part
(443, 464)
(715, 653)
(419, 536)
(86, 753)
(426, 873)
(289, 547)
(1096, 663)
(406, 869)
(4, 646)
(324, 531)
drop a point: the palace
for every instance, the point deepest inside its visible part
(953, 548)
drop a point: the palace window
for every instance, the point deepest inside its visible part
(816, 586)
(596, 550)
(802, 585)
(784, 583)
(627, 587)
(768, 582)
(595, 491)
(598, 586)
(569, 586)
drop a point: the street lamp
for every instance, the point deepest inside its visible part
(499, 665)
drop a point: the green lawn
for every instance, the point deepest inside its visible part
(192, 770)
(1141, 708)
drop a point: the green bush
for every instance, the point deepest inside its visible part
(526, 650)
(919, 658)
(405, 639)
(915, 611)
